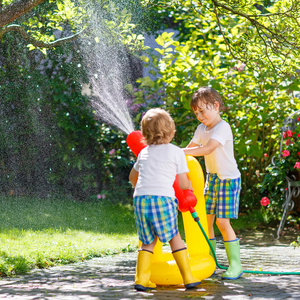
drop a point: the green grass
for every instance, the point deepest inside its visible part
(37, 233)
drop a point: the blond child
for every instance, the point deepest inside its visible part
(213, 139)
(154, 202)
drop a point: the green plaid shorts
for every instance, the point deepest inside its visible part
(155, 216)
(222, 196)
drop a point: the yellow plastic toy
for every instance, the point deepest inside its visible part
(164, 270)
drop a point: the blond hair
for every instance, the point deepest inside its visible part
(208, 96)
(157, 127)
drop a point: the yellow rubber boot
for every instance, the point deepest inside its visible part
(143, 271)
(181, 258)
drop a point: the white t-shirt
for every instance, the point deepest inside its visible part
(157, 166)
(221, 161)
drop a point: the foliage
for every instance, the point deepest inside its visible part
(284, 164)
(291, 150)
(296, 244)
(261, 34)
(40, 233)
(48, 24)
(42, 96)
(51, 142)
(257, 102)
(117, 163)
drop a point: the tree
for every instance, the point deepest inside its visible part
(259, 33)
(267, 31)
(28, 16)
(48, 24)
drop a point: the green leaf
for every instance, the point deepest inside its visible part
(160, 41)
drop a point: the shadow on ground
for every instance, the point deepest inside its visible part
(112, 277)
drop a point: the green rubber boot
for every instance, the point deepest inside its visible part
(235, 269)
(214, 245)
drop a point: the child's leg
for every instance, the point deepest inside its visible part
(210, 224)
(232, 247)
(176, 243)
(149, 247)
(227, 208)
(226, 229)
(180, 255)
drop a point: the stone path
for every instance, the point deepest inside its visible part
(113, 277)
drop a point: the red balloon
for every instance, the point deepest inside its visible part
(135, 142)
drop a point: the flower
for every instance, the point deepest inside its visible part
(112, 151)
(289, 133)
(99, 196)
(264, 201)
(297, 165)
(285, 153)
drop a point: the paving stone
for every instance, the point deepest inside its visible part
(112, 278)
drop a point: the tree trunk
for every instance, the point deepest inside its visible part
(16, 10)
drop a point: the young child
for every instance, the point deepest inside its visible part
(213, 139)
(155, 205)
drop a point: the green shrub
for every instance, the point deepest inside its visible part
(256, 102)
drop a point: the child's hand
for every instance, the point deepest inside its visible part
(190, 186)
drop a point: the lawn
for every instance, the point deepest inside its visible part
(47, 232)
(39, 233)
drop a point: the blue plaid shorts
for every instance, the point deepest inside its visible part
(155, 216)
(222, 196)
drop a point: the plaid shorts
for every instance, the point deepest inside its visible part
(222, 196)
(155, 216)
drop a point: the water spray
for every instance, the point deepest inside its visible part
(187, 201)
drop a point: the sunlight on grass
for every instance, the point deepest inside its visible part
(38, 233)
(41, 233)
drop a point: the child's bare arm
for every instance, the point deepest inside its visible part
(201, 150)
(184, 182)
(133, 176)
(192, 144)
